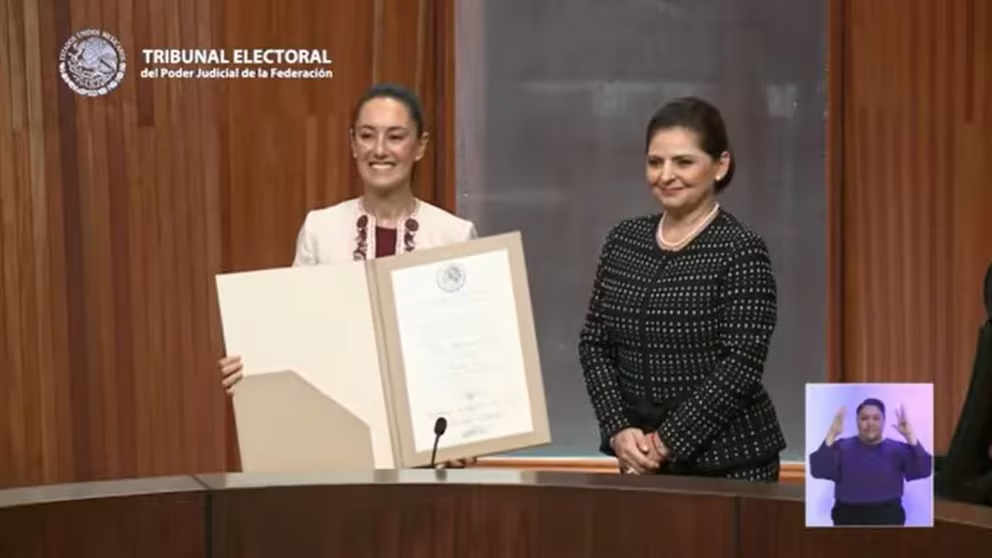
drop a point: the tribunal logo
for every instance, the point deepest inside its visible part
(92, 62)
(451, 278)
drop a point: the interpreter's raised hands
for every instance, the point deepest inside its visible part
(836, 427)
(904, 427)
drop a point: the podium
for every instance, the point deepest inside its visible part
(452, 514)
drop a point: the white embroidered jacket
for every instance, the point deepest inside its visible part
(330, 235)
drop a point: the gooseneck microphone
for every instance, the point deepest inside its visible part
(440, 425)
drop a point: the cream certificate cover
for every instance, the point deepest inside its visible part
(316, 321)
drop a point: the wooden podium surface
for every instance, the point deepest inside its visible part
(459, 513)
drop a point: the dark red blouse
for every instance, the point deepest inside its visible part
(385, 242)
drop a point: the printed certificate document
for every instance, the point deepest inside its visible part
(460, 340)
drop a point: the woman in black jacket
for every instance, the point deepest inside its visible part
(682, 310)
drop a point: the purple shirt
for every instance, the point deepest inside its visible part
(864, 473)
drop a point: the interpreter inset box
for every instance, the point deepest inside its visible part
(869, 455)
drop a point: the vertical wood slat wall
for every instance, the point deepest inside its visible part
(116, 212)
(911, 199)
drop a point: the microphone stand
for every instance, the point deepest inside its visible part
(440, 425)
(434, 451)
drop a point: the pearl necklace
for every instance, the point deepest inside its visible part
(692, 234)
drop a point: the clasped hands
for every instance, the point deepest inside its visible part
(638, 453)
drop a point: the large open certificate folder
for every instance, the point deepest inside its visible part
(349, 365)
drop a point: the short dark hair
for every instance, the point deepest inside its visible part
(701, 118)
(396, 92)
(871, 401)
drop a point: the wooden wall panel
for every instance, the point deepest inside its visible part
(834, 167)
(396, 34)
(117, 211)
(916, 200)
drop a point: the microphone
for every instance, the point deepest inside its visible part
(440, 425)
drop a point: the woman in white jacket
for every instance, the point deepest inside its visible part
(387, 139)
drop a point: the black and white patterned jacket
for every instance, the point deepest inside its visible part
(691, 329)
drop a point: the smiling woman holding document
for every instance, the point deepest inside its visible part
(682, 310)
(387, 139)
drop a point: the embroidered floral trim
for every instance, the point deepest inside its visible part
(365, 242)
